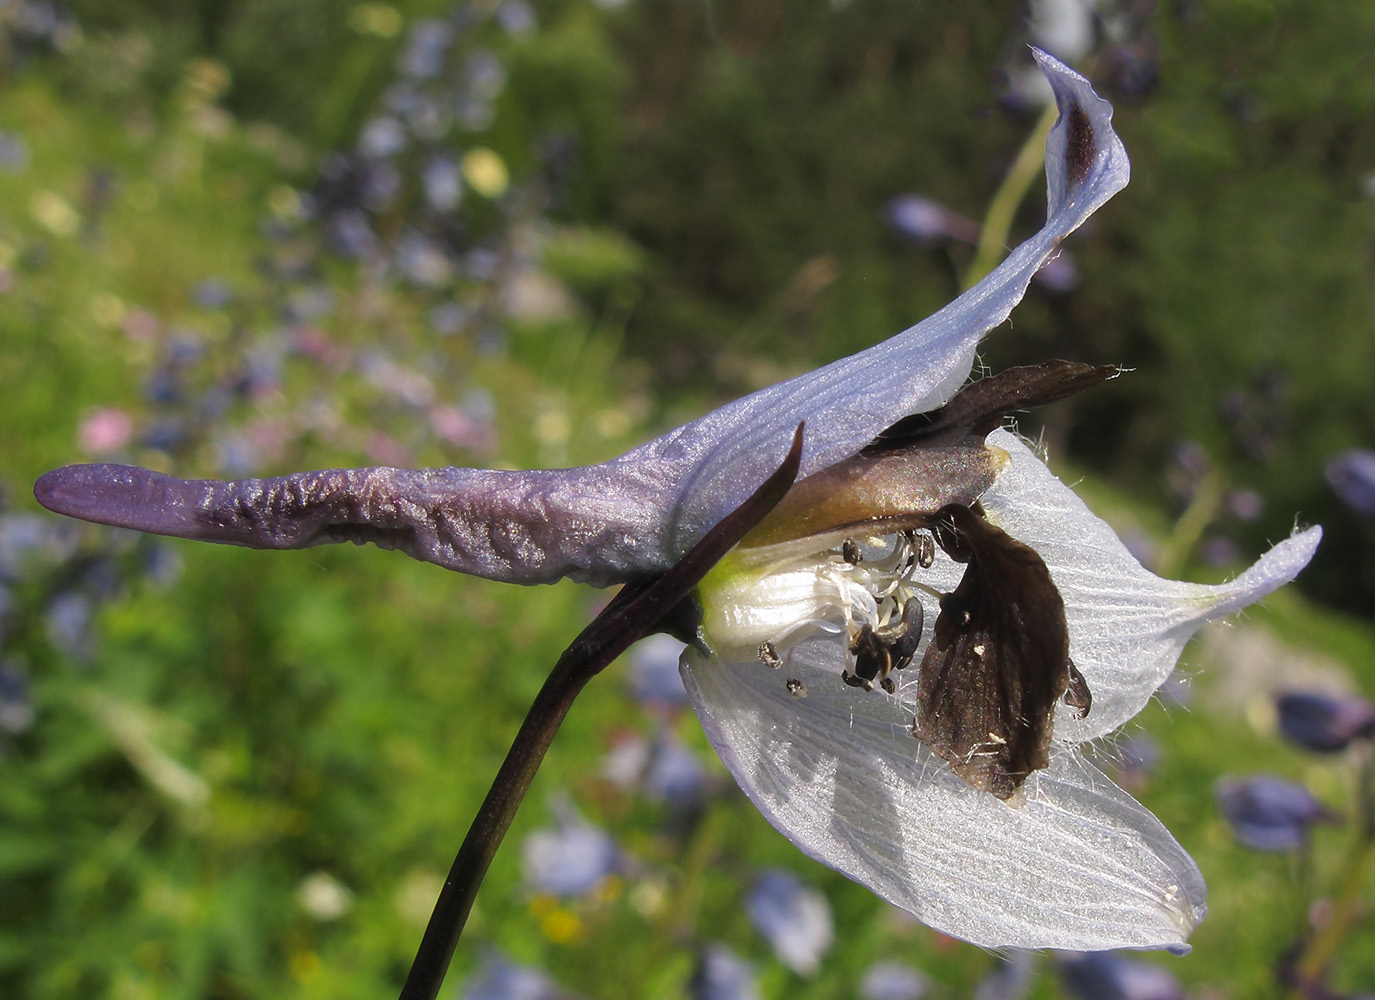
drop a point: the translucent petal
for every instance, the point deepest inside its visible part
(1079, 864)
(1127, 626)
(729, 451)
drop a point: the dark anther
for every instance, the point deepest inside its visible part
(768, 655)
(925, 547)
(856, 682)
(879, 651)
(849, 551)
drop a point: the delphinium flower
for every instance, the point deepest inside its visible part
(1324, 723)
(1011, 976)
(501, 979)
(1109, 976)
(1352, 477)
(920, 533)
(889, 980)
(721, 974)
(570, 859)
(794, 918)
(1268, 813)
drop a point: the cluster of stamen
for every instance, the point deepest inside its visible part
(882, 612)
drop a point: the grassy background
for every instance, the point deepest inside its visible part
(696, 208)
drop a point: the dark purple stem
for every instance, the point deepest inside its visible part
(635, 612)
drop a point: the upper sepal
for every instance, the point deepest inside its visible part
(846, 404)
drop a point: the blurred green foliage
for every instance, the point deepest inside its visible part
(721, 219)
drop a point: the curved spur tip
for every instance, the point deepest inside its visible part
(70, 489)
(118, 495)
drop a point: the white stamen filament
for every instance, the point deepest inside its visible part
(784, 595)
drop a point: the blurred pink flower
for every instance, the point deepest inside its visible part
(104, 430)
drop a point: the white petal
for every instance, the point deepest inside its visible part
(846, 404)
(1078, 865)
(1127, 626)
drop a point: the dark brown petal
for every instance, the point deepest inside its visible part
(998, 661)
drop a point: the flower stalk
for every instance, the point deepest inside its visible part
(639, 609)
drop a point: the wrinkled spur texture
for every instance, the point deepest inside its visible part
(636, 514)
(1070, 862)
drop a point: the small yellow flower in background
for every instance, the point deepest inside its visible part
(485, 172)
(379, 19)
(206, 79)
(108, 309)
(55, 213)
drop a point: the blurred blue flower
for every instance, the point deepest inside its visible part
(212, 293)
(1130, 760)
(422, 261)
(16, 707)
(41, 24)
(474, 113)
(443, 182)
(312, 302)
(1059, 274)
(1351, 475)
(27, 538)
(721, 974)
(235, 454)
(162, 564)
(14, 153)
(570, 859)
(349, 234)
(1138, 755)
(675, 775)
(381, 137)
(482, 263)
(1324, 723)
(167, 436)
(1106, 975)
(448, 318)
(1245, 505)
(68, 619)
(428, 118)
(500, 979)
(794, 918)
(921, 220)
(927, 223)
(1011, 978)
(484, 75)
(163, 386)
(1268, 813)
(664, 769)
(517, 17)
(654, 677)
(1218, 550)
(423, 56)
(888, 980)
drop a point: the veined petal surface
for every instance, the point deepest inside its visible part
(1077, 865)
(1127, 626)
